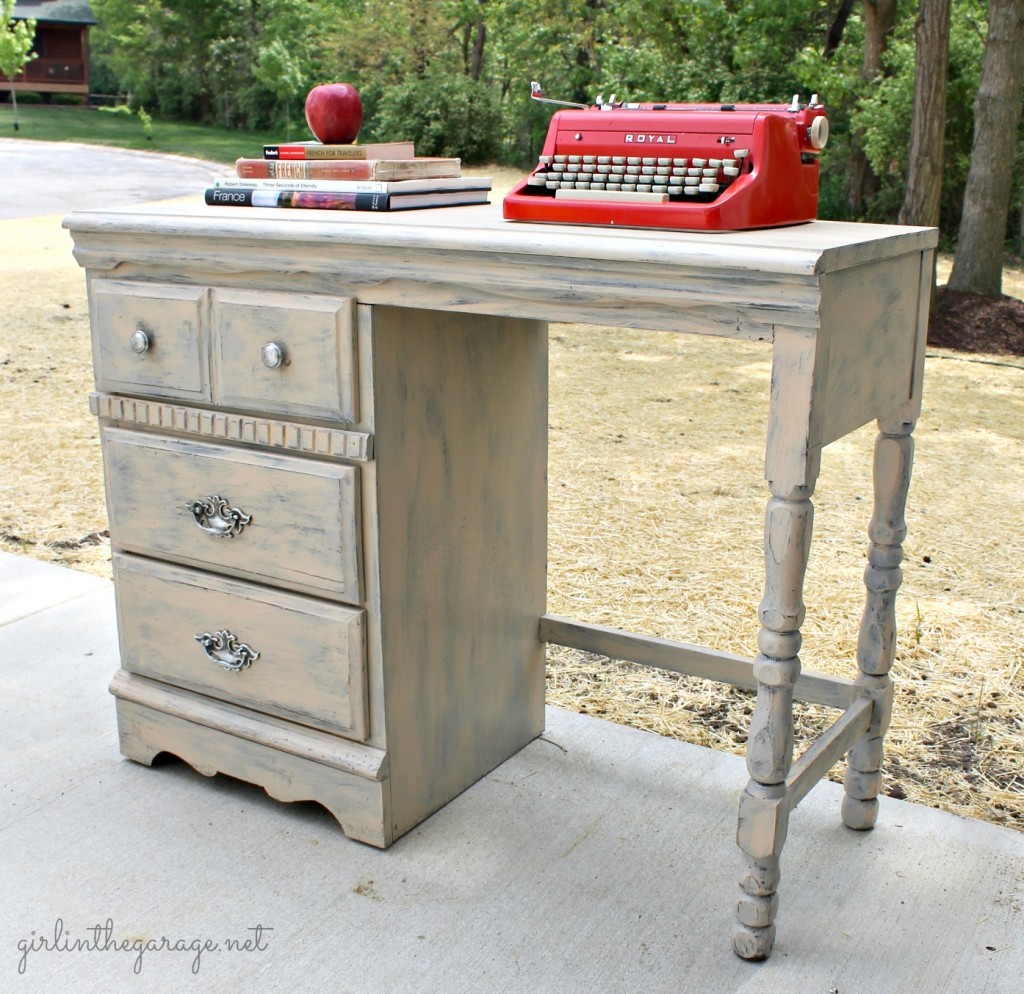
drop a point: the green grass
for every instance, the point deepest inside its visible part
(96, 127)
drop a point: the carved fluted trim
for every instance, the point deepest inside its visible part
(328, 443)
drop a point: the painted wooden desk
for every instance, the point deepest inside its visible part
(325, 450)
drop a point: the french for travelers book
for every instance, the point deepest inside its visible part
(358, 186)
(317, 150)
(384, 170)
(325, 200)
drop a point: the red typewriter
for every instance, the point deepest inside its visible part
(700, 167)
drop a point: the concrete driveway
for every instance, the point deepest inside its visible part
(38, 178)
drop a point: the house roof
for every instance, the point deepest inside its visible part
(63, 11)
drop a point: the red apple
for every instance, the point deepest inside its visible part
(334, 113)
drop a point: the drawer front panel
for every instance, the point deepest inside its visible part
(258, 515)
(151, 339)
(288, 655)
(291, 354)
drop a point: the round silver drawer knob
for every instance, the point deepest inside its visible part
(273, 355)
(139, 341)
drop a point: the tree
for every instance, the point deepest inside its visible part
(923, 195)
(279, 71)
(15, 47)
(978, 261)
(199, 61)
(879, 20)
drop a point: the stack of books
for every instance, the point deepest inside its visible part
(385, 176)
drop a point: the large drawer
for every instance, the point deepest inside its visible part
(150, 338)
(268, 517)
(296, 657)
(291, 354)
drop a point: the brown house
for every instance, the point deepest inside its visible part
(61, 47)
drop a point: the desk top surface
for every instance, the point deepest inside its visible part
(805, 250)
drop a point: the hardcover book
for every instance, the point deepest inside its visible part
(430, 185)
(317, 150)
(326, 200)
(383, 170)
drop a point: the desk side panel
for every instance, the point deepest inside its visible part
(461, 451)
(872, 328)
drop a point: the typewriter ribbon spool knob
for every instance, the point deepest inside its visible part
(817, 133)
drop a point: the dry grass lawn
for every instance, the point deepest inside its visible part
(656, 505)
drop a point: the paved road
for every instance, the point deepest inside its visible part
(58, 177)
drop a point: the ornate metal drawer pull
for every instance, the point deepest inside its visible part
(224, 649)
(216, 517)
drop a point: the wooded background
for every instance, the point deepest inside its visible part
(924, 99)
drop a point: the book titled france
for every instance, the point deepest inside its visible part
(337, 201)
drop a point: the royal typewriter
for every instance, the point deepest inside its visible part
(689, 166)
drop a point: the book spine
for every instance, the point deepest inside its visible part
(314, 199)
(348, 169)
(314, 152)
(305, 169)
(322, 185)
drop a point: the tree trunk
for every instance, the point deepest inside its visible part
(924, 168)
(476, 64)
(474, 34)
(978, 262)
(879, 20)
(835, 30)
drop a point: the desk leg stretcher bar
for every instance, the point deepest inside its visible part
(777, 784)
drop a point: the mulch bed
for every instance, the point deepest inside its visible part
(968, 322)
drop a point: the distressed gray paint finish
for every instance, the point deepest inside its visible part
(376, 469)
(311, 657)
(315, 336)
(449, 387)
(301, 515)
(170, 357)
(461, 433)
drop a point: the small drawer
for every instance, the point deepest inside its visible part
(150, 338)
(295, 657)
(285, 353)
(267, 517)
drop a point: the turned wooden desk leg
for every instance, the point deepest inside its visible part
(876, 646)
(764, 807)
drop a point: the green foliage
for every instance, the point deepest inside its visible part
(445, 114)
(885, 114)
(238, 63)
(455, 74)
(147, 123)
(279, 71)
(15, 40)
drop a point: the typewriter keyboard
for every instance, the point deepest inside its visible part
(634, 178)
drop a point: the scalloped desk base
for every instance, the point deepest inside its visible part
(358, 804)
